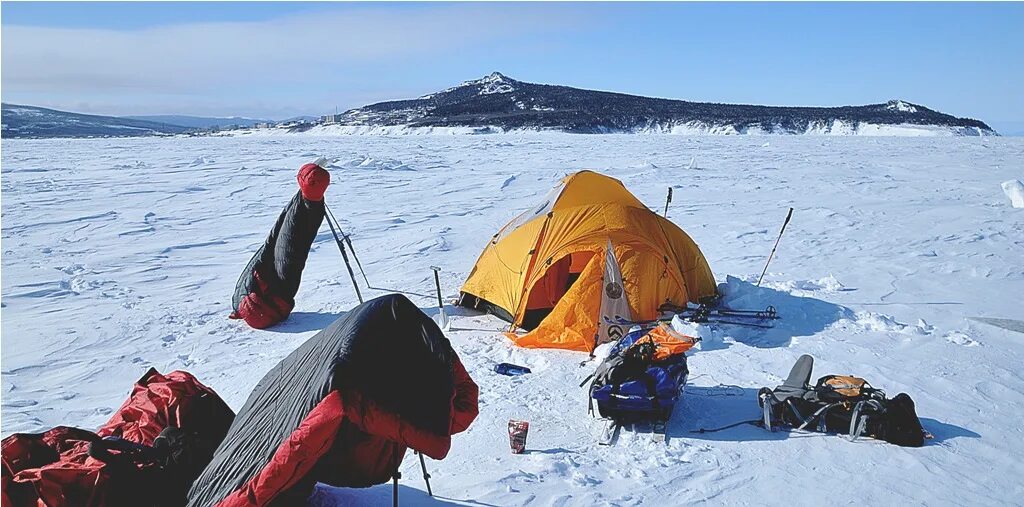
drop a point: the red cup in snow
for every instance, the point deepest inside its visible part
(517, 431)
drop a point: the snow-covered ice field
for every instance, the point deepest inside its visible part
(121, 254)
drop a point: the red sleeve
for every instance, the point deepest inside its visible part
(464, 399)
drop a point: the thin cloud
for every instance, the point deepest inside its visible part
(194, 59)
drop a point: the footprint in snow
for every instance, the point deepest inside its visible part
(20, 403)
(583, 480)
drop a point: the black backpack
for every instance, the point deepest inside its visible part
(899, 424)
(157, 475)
(628, 364)
(841, 404)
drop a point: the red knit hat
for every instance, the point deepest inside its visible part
(313, 181)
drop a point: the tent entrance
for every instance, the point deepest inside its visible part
(549, 289)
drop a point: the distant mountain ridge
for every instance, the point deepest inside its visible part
(40, 122)
(199, 122)
(22, 121)
(497, 101)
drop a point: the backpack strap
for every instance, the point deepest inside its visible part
(613, 401)
(820, 413)
(652, 390)
(858, 420)
(796, 411)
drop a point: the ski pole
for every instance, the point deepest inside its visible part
(440, 302)
(784, 224)
(667, 201)
(341, 247)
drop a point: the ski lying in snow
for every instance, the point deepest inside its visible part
(609, 433)
(619, 321)
(644, 324)
(737, 323)
(611, 430)
(704, 311)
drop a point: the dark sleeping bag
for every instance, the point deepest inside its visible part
(342, 409)
(265, 292)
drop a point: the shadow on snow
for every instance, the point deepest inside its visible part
(942, 432)
(301, 322)
(328, 496)
(798, 316)
(711, 408)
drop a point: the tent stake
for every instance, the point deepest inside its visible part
(784, 224)
(667, 201)
(440, 302)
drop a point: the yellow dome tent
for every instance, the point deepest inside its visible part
(543, 271)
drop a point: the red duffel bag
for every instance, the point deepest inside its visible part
(148, 453)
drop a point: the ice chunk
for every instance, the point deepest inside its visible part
(1014, 189)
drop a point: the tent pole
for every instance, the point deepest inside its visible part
(351, 248)
(394, 477)
(341, 247)
(394, 490)
(426, 476)
(348, 241)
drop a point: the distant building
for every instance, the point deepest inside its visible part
(331, 118)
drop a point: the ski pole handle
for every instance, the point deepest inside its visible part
(784, 224)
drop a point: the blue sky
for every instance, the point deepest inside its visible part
(281, 59)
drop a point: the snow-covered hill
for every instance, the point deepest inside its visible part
(121, 254)
(499, 103)
(40, 122)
